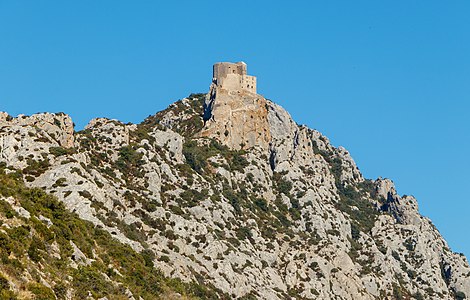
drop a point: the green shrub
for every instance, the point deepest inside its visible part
(35, 167)
(86, 194)
(130, 161)
(363, 214)
(60, 151)
(164, 258)
(192, 197)
(244, 233)
(60, 290)
(6, 209)
(234, 200)
(195, 156)
(261, 204)
(355, 232)
(41, 292)
(7, 295)
(4, 284)
(238, 162)
(87, 278)
(460, 295)
(176, 209)
(34, 249)
(281, 185)
(132, 231)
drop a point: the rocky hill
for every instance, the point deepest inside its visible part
(234, 199)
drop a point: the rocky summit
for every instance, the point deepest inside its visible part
(220, 196)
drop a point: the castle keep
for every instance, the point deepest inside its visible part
(233, 77)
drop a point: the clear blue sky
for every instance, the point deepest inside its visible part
(389, 80)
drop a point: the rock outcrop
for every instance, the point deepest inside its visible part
(58, 127)
(238, 119)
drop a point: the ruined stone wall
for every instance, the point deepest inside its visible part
(249, 83)
(233, 77)
(221, 70)
(231, 82)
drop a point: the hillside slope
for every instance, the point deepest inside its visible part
(48, 252)
(252, 204)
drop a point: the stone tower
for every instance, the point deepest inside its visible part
(233, 77)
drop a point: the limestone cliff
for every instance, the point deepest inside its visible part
(249, 203)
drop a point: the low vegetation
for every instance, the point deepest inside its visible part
(29, 245)
(197, 155)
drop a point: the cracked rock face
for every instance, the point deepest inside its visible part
(269, 209)
(58, 126)
(238, 119)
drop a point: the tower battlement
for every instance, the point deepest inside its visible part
(233, 76)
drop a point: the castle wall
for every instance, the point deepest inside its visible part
(231, 82)
(233, 76)
(249, 83)
(221, 70)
